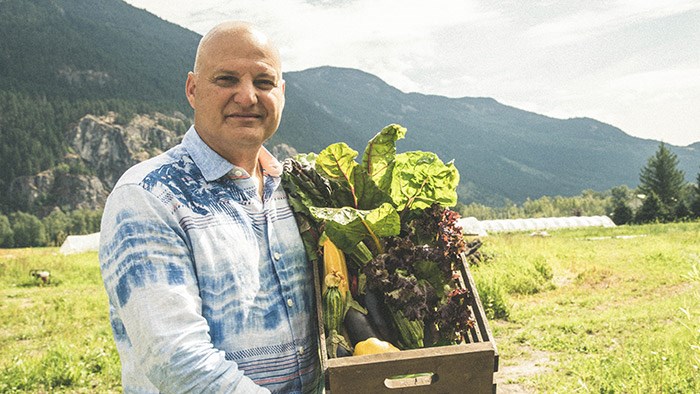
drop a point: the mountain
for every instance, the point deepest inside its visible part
(500, 151)
(100, 151)
(93, 49)
(65, 61)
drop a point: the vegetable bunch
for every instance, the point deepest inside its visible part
(389, 214)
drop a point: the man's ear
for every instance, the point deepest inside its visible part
(190, 87)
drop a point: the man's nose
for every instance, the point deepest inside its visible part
(245, 94)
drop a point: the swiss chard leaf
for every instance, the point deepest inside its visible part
(337, 163)
(351, 183)
(420, 179)
(347, 226)
(369, 195)
(379, 155)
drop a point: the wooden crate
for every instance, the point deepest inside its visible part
(463, 368)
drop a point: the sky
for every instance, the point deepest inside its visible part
(634, 64)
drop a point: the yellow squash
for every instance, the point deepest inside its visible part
(334, 264)
(373, 346)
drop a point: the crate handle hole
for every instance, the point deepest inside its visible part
(410, 380)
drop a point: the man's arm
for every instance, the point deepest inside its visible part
(150, 280)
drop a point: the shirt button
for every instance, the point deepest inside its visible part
(237, 173)
(277, 255)
(290, 302)
(300, 350)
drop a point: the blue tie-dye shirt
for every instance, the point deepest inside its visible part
(209, 286)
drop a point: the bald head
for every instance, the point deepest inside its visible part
(237, 35)
(236, 91)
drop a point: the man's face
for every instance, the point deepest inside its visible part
(237, 93)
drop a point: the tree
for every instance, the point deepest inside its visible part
(622, 214)
(621, 211)
(662, 177)
(620, 194)
(681, 211)
(651, 210)
(28, 230)
(57, 225)
(6, 233)
(695, 199)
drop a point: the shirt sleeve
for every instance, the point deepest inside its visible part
(150, 279)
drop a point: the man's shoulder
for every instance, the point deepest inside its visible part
(155, 167)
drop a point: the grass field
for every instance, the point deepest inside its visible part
(596, 310)
(589, 310)
(55, 338)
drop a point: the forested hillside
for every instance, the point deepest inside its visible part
(62, 59)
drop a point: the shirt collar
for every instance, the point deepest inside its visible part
(213, 166)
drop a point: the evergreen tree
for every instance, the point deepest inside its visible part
(681, 211)
(622, 214)
(695, 202)
(651, 210)
(661, 177)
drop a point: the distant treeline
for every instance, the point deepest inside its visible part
(622, 204)
(589, 203)
(20, 229)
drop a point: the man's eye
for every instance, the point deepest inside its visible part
(266, 84)
(225, 80)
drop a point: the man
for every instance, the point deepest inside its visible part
(209, 287)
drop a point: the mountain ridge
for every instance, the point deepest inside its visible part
(504, 151)
(97, 56)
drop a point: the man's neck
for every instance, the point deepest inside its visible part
(251, 164)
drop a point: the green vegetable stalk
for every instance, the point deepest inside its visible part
(410, 332)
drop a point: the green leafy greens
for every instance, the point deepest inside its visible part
(390, 214)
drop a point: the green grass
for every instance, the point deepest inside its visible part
(609, 315)
(56, 337)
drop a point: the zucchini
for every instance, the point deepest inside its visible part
(333, 304)
(337, 346)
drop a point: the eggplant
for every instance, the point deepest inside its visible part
(341, 351)
(359, 326)
(379, 315)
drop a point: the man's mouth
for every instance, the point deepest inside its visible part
(244, 115)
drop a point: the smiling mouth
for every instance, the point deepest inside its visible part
(244, 115)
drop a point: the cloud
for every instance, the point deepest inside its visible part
(676, 80)
(607, 60)
(377, 36)
(590, 22)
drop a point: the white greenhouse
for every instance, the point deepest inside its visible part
(472, 226)
(80, 243)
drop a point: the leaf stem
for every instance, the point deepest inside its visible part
(347, 179)
(412, 198)
(375, 239)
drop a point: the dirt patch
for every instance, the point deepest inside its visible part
(512, 378)
(564, 278)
